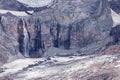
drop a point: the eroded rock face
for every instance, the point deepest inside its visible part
(9, 49)
(71, 24)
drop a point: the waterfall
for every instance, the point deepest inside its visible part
(26, 40)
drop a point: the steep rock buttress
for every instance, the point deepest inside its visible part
(69, 27)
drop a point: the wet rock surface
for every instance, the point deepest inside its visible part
(71, 27)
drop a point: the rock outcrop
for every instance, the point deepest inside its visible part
(66, 25)
(115, 5)
(69, 25)
(9, 47)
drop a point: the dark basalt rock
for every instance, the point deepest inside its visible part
(115, 33)
(115, 5)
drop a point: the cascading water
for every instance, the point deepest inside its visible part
(26, 40)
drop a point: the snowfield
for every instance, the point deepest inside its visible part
(19, 64)
(60, 68)
(35, 3)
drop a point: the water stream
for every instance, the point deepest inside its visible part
(26, 40)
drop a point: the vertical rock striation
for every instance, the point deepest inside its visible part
(67, 25)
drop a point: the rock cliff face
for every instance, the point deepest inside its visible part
(9, 49)
(69, 25)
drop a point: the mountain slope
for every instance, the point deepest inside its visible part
(75, 68)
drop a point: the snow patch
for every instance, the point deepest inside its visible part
(16, 13)
(19, 64)
(115, 17)
(35, 3)
(66, 59)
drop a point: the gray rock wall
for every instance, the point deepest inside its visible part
(67, 25)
